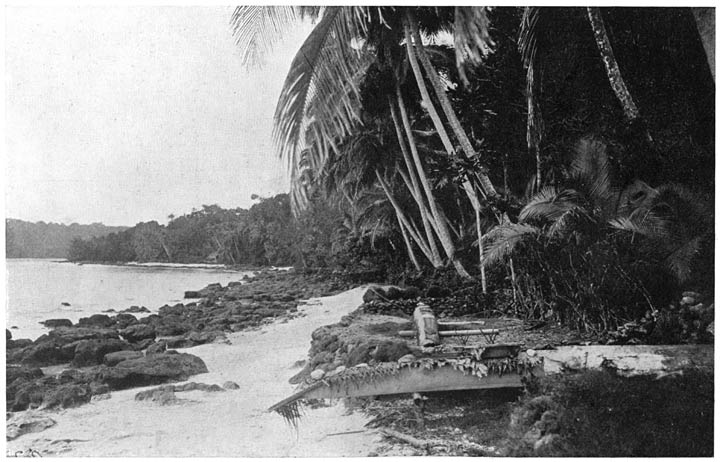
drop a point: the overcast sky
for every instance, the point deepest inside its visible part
(121, 115)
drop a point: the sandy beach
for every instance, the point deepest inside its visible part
(230, 424)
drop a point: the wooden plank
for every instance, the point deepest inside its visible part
(454, 333)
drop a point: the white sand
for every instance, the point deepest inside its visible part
(231, 424)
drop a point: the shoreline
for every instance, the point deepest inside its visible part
(121, 426)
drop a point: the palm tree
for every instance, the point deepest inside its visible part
(319, 103)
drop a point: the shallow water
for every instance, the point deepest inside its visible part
(37, 288)
(234, 423)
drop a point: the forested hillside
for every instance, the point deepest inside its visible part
(48, 240)
(264, 235)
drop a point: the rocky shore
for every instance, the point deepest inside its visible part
(75, 363)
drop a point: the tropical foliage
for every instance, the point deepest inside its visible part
(447, 130)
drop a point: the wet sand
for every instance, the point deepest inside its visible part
(230, 424)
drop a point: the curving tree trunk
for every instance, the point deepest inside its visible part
(412, 182)
(611, 66)
(440, 225)
(450, 114)
(402, 218)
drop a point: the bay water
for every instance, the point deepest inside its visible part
(40, 289)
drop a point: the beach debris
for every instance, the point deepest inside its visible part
(26, 422)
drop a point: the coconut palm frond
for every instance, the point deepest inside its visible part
(548, 204)
(257, 29)
(501, 241)
(591, 171)
(527, 45)
(472, 37)
(564, 222)
(645, 224)
(318, 104)
(681, 260)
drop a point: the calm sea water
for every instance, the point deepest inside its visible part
(36, 290)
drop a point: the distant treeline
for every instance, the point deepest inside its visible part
(24, 239)
(266, 234)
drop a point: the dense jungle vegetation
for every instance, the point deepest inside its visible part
(564, 156)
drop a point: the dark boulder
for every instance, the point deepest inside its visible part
(178, 341)
(214, 336)
(68, 395)
(162, 395)
(40, 354)
(8, 335)
(157, 348)
(192, 294)
(53, 323)
(72, 334)
(19, 343)
(153, 370)
(112, 359)
(97, 320)
(138, 332)
(124, 320)
(92, 352)
(152, 319)
(13, 372)
(136, 309)
(143, 344)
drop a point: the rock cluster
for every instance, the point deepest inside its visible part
(110, 352)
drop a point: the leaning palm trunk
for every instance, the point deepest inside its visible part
(611, 66)
(427, 220)
(442, 97)
(437, 122)
(408, 245)
(483, 279)
(412, 183)
(412, 230)
(438, 220)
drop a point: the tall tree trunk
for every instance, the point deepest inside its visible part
(408, 244)
(402, 218)
(483, 279)
(450, 114)
(427, 221)
(441, 227)
(705, 22)
(414, 185)
(611, 66)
